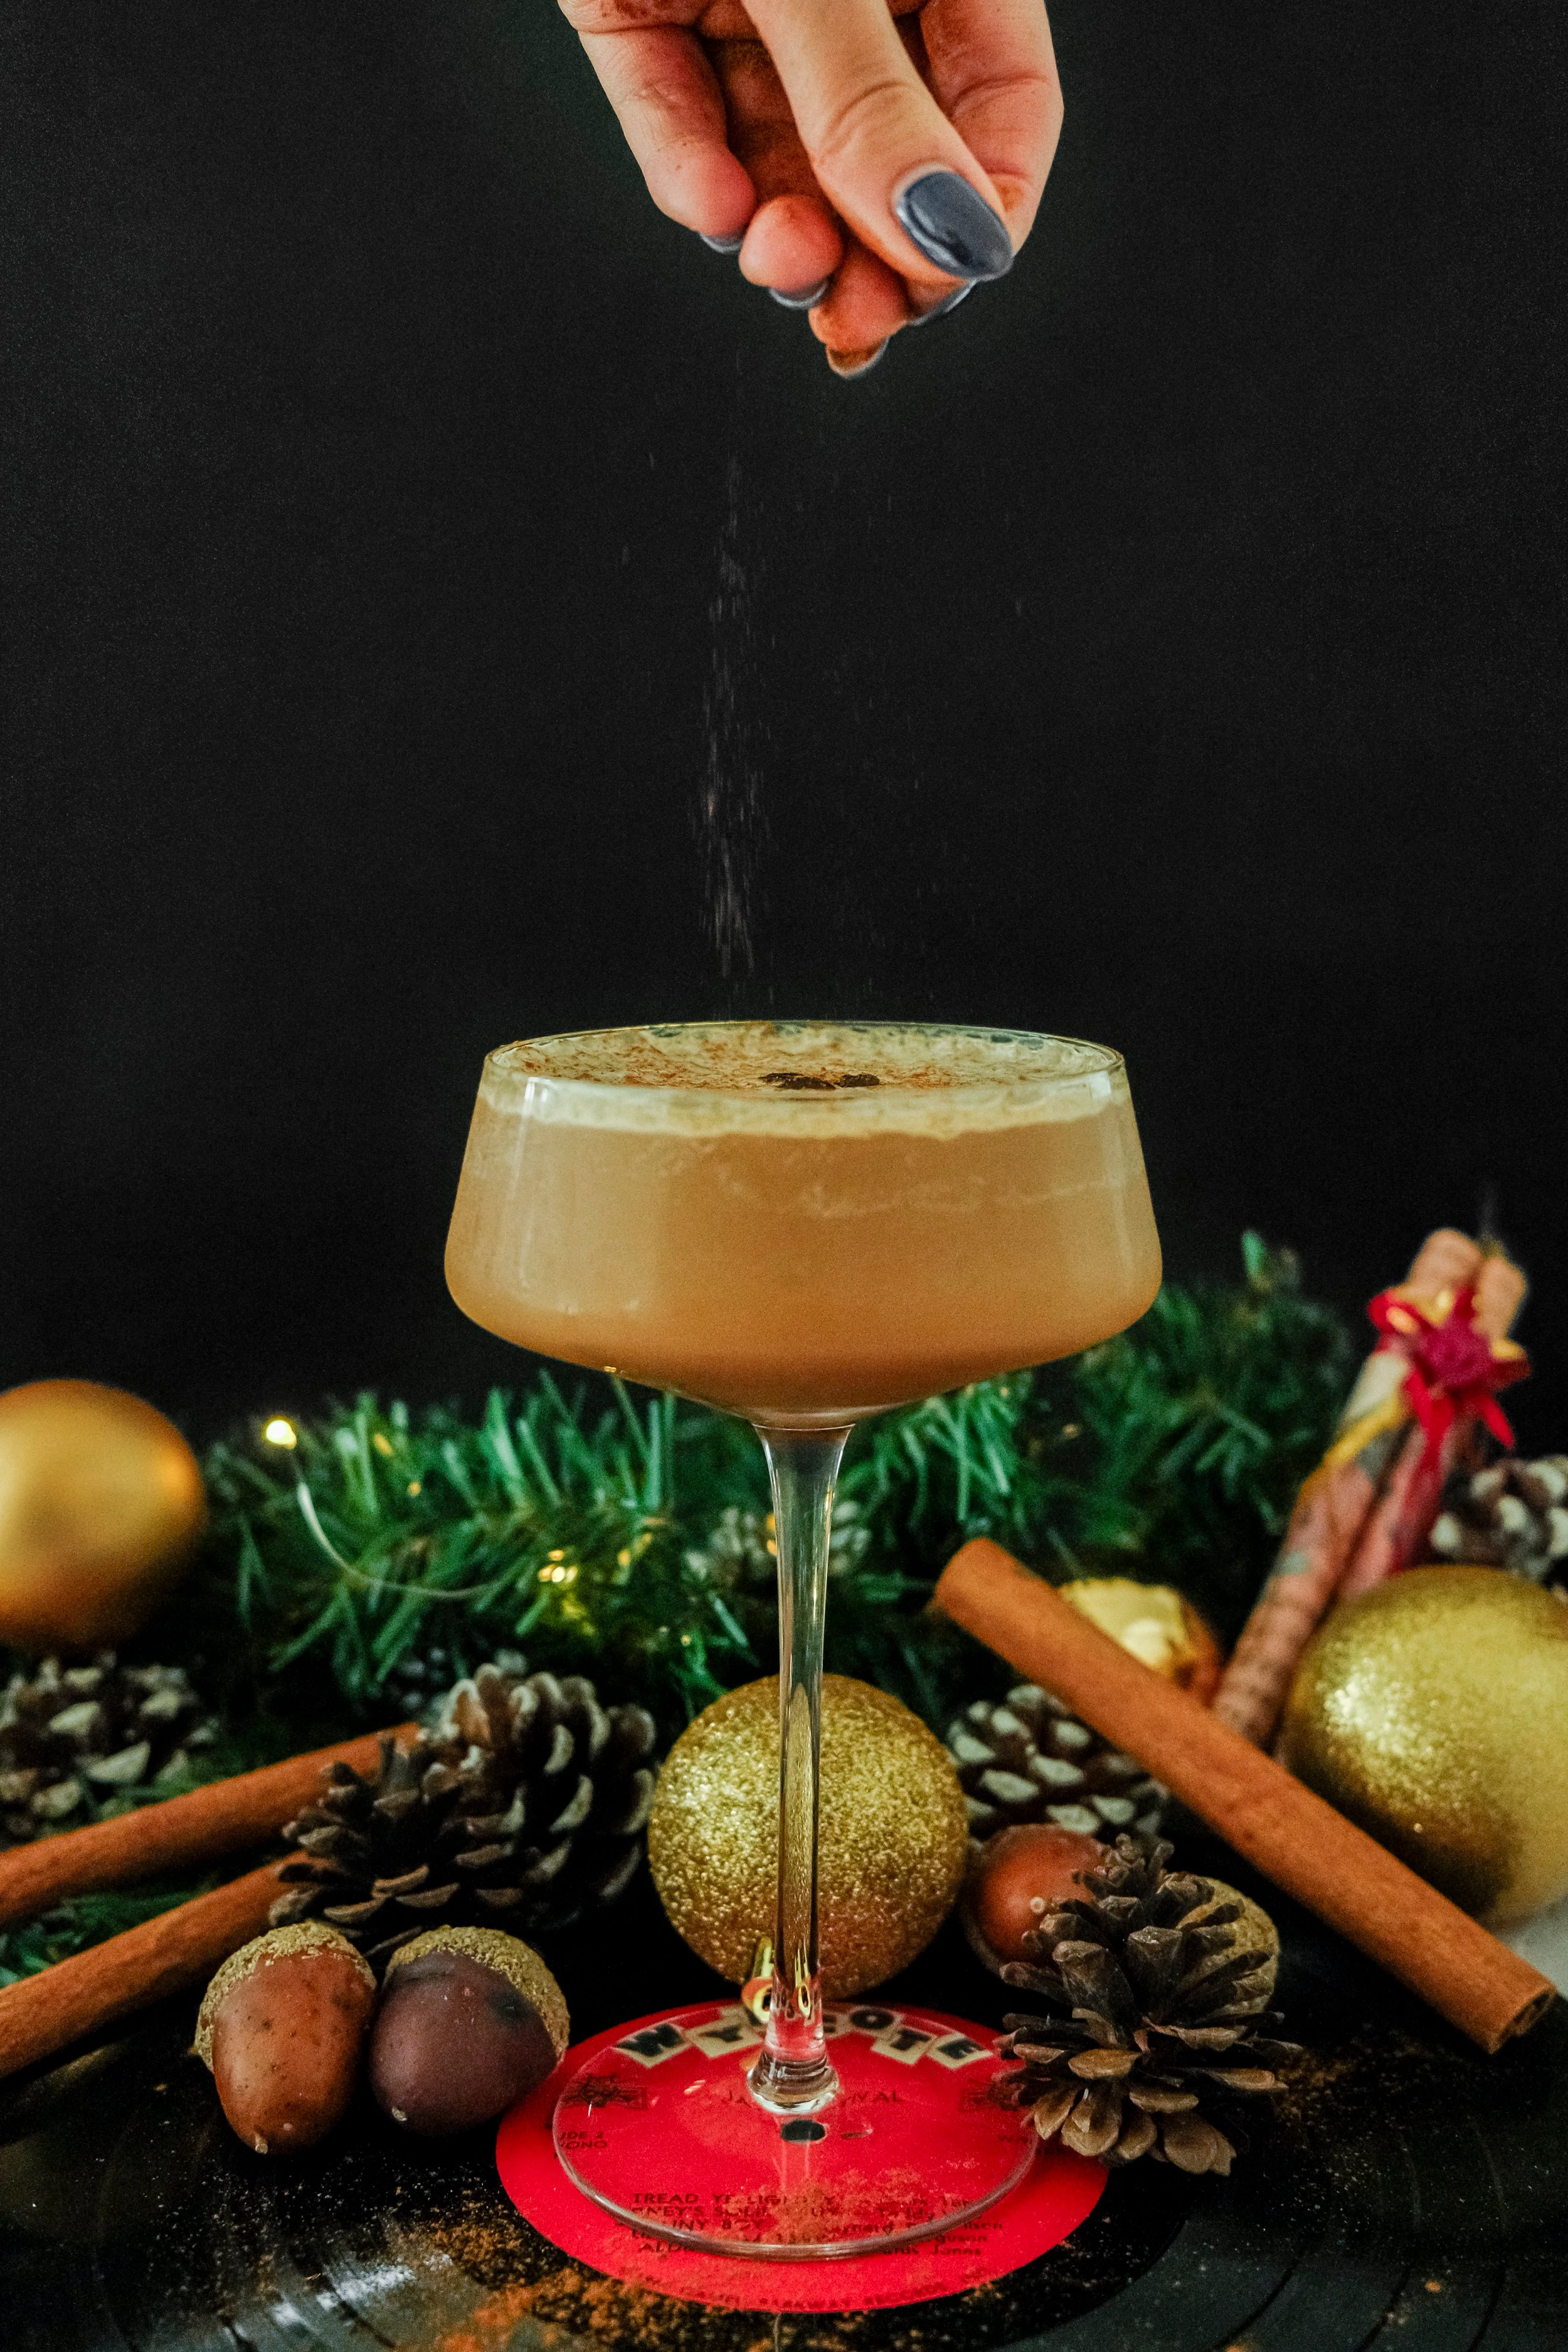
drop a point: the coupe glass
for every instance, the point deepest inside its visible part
(803, 1223)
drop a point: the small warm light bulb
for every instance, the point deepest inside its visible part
(281, 1433)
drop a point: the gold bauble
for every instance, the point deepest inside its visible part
(1434, 1711)
(100, 1504)
(894, 1833)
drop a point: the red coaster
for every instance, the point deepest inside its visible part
(1058, 2191)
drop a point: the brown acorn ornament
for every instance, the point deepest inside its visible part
(1014, 1878)
(470, 2019)
(282, 2027)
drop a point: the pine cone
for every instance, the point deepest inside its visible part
(1512, 1514)
(1162, 1990)
(740, 1553)
(419, 1682)
(1026, 1759)
(74, 1737)
(524, 1807)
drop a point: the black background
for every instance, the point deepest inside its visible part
(405, 526)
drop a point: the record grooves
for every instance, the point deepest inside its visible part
(1410, 2198)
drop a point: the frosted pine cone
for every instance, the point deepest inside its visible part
(522, 1808)
(74, 1739)
(1028, 1758)
(1512, 1514)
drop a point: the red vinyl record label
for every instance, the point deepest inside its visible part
(1056, 2192)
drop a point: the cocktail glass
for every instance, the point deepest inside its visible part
(804, 1223)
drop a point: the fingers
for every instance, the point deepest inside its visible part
(993, 73)
(792, 246)
(880, 144)
(900, 163)
(794, 241)
(865, 304)
(669, 102)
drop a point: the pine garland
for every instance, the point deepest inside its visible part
(355, 1574)
(629, 1539)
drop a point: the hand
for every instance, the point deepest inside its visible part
(871, 159)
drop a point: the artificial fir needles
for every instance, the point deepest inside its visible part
(630, 1540)
(359, 1564)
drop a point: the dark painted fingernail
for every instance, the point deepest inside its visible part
(940, 310)
(806, 299)
(854, 364)
(725, 243)
(953, 225)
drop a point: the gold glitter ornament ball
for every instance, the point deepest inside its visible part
(1434, 1712)
(101, 1506)
(894, 1833)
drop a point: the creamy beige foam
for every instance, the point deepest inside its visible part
(803, 1255)
(747, 1077)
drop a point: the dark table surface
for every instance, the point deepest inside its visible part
(1409, 2194)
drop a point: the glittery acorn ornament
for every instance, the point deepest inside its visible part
(1433, 1711)
(101, 1502)
(282, 2027)
(470, 2019)
(893, 1832)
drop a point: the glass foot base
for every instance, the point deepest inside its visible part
(660, 2128)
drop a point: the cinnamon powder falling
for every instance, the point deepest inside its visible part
(731, 825)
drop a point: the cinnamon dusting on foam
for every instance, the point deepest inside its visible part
(803, 1077)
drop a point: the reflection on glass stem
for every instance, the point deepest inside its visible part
(793, 2077)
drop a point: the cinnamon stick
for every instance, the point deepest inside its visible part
(1288, 1832)
(224, 1818)
(40, 2014)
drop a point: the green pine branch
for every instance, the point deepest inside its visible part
(386, 1553)
(578, 1524)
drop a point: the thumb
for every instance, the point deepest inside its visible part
(883, 152)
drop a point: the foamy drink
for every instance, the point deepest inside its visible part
(803, 1223)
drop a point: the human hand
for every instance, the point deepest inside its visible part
(867, 159)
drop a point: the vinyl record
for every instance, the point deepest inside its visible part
(1409, 2195)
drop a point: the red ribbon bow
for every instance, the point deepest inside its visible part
(1455, 1368)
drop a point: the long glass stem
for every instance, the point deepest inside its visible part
(793, 2075)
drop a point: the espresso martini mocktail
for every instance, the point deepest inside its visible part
(804, 1223)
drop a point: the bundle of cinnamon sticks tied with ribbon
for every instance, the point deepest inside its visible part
(1425, 1395)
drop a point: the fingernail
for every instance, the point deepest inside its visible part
(953, 225)
(806, 299)
(853, 364)
(940, 310)
(725, 243)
